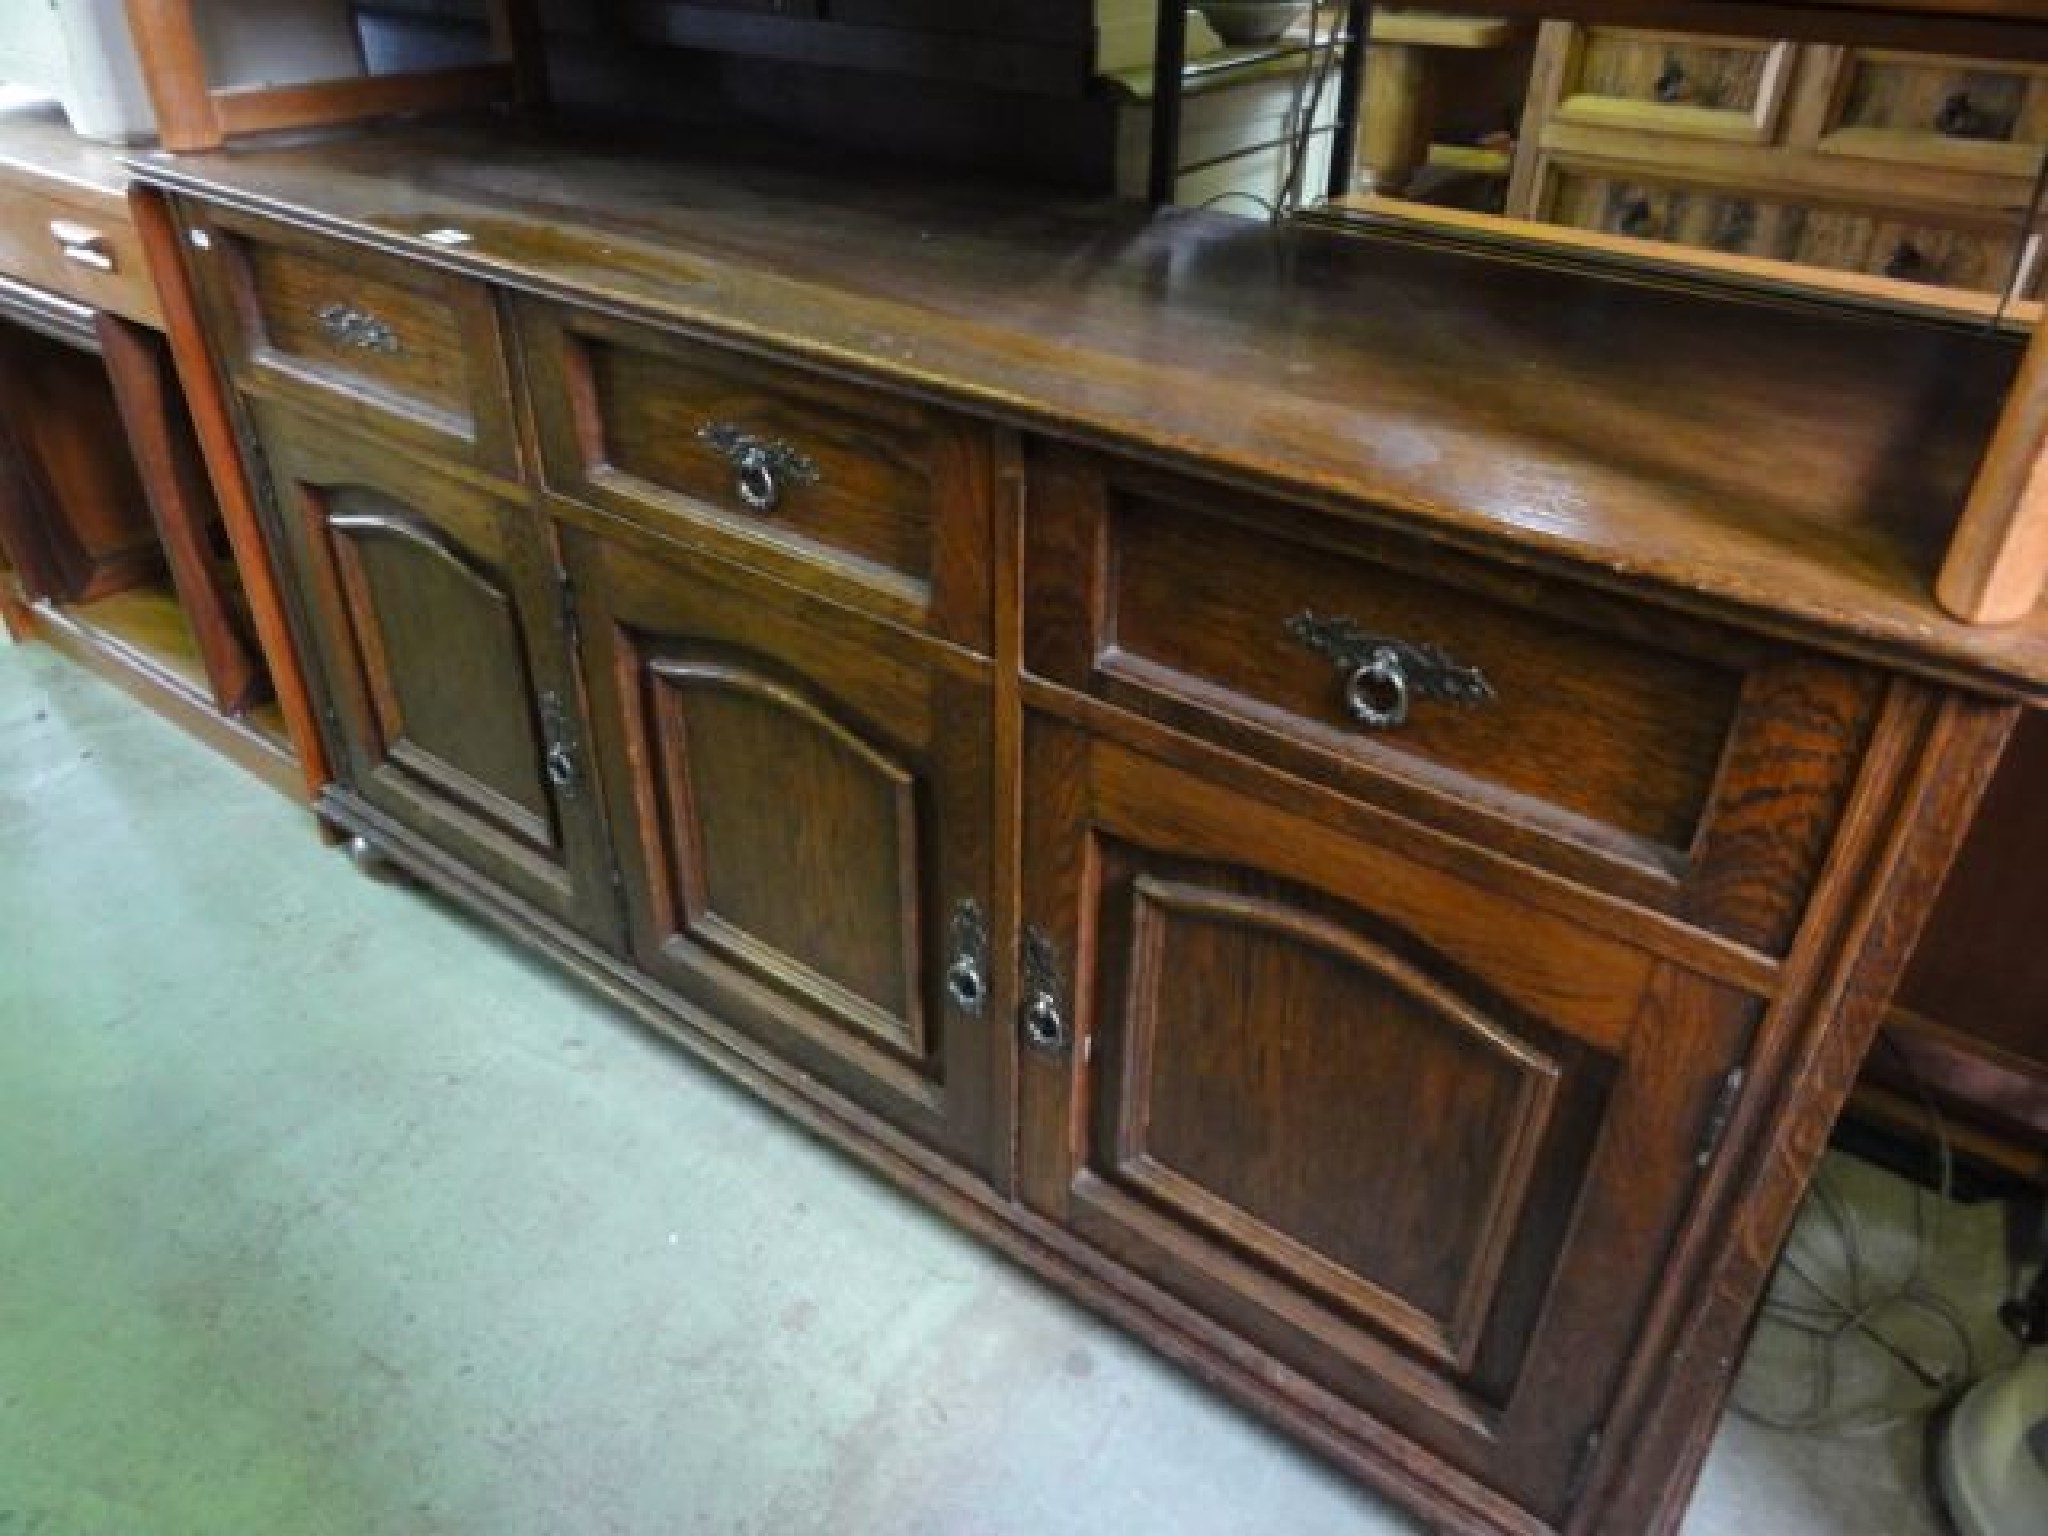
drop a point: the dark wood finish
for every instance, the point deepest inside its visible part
(64, 224)
(75, 518)
(805, 800)
(1270, 357)
(392, 345)
(1446, 1099)
(888, 504)
(1971, 1017)
(1686, 766)
(191, 114)
(139, 641)
(1350, 1106)
(1929, 764)
(214, 428)
(160, 436)
(434, 607)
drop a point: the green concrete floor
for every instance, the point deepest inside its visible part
(323, 1211)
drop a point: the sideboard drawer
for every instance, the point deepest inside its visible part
(1672, 82)
(398, 346)
(878, 498)
(76, 242)
(1962, 114)
(1639, 739)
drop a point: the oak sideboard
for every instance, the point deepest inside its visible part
(1351, 803)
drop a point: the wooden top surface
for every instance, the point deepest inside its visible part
(1795, 467)
(36, 138)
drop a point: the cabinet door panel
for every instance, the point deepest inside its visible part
(1423, 1144)
(449, 679)
(741, 752)
(441, 650)
(809, 850)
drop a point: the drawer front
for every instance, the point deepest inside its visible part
(1915, 250)
(882, 501)
(75, 243)
(1644, 209)
(1632, 749)
(1978, 257)
(1671, 82)
(394, 345)
(1961, 114)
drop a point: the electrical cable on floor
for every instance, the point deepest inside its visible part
(1835, 1317)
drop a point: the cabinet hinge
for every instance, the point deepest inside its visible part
(1723, 1110)
(1582, 1466)
(565, 599)
(256, 470)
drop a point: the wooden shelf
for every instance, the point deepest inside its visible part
(139, 640)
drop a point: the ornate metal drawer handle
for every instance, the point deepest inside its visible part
(1637, 218)
(761, 465)
(1040, 1018)
(1383, 676)
(967, 974)
(561, 755)
(352, 327)
(1909, 264)
(1961, 118)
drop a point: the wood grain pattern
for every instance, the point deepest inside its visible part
(805, 799)
(182, 506)
(1681, 765)
(77, 521)
(1212, 1044)
(894, 508)
(384, 344)
(1929, 763)
(432, 607)
(213, 426)
(1398, 1094)
(1361, 374)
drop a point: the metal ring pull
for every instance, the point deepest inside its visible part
(965, 986)
(967, 975)
(1045, 1027)
(1376, 693)
(762, 467)
(1041, 1021)
(757, 484)
(1385, 677)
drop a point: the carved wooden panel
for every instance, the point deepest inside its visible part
(1347, 1037)
(440, 650)
(793, 839)
(805, 804)
(1390, 1123)
(438, 639)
